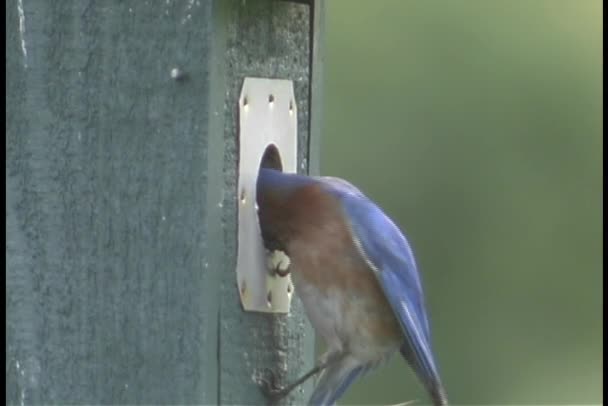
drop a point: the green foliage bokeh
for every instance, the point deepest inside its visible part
(477, 125)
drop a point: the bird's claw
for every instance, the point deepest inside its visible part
(270, 389)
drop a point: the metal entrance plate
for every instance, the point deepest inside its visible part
(267, 117)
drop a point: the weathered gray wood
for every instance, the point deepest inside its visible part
(267, 39)
(108, 298)
(316, 85)
(121, 233)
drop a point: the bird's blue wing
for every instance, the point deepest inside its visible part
(390, 256)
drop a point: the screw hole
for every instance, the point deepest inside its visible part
(290, 107)
(243, 199)
(289, 288)
(271, 100)
(243, 287)
(269, 298)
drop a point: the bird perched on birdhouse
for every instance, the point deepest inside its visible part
(356, 275)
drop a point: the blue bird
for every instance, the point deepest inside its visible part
(356, 276)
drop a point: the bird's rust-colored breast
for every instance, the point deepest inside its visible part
(323, 254)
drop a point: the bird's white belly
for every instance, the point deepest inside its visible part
(342, 322)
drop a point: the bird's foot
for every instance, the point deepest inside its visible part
(270, 388)
(278, 262)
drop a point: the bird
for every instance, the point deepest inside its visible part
(356, 275)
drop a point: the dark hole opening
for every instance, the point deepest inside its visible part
(271, 158)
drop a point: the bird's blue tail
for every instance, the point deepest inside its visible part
(334, 381)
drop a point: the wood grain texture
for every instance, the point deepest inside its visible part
(121, 227)
(264, 39)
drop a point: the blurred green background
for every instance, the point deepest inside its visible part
(477, 125)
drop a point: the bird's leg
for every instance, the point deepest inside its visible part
(276, 394)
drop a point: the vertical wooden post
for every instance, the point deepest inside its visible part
(121, 199)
